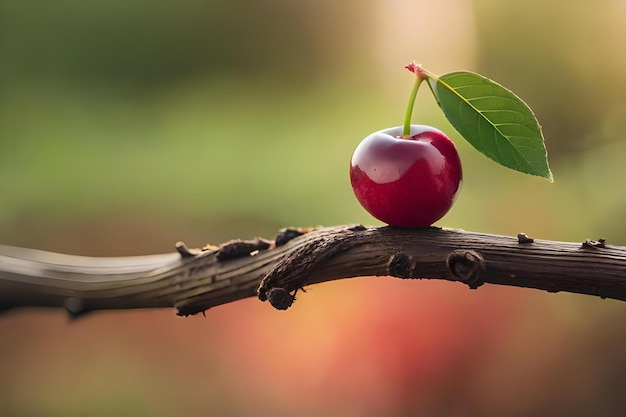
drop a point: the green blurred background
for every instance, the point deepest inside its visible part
(126, 126)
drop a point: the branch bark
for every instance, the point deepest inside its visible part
(195, 280)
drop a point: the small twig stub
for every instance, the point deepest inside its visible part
(240, 248)
(280, 298)
(286, 234)
(524, 238)
(594, 244)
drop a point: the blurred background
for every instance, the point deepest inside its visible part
(126, 126)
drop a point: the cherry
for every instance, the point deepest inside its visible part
(406, 176)
(409, 182)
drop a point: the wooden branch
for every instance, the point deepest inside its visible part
(195, 280)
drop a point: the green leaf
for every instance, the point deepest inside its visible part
(494, 120)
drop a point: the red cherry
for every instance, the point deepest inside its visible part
(407, 181)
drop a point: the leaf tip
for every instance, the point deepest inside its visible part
(544, 173)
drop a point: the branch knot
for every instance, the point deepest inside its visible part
(400, 265)
(466, 266)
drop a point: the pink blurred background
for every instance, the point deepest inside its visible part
(125, 127)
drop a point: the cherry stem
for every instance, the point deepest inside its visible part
(409, 110)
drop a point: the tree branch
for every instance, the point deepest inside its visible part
(195, 280)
